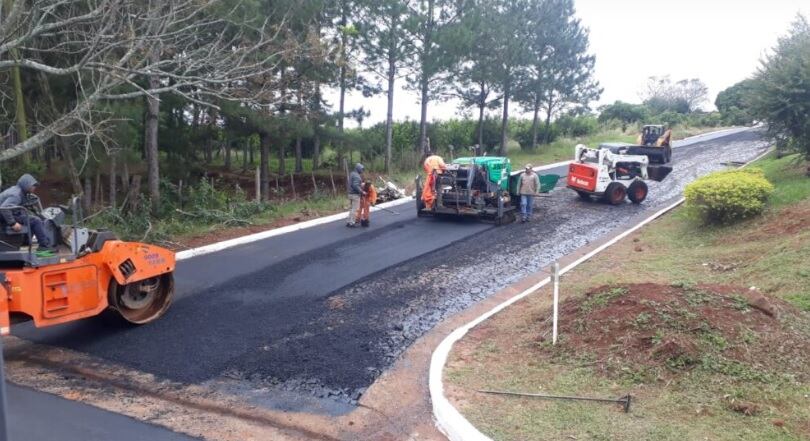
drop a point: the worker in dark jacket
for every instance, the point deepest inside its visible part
(355, 192)
(13, 197)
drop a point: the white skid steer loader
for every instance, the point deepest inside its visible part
(612, 177)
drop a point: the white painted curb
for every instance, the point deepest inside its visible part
(448, 419)
(219, 246)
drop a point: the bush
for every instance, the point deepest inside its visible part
(728, 196)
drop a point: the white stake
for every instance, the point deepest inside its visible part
(556, 275)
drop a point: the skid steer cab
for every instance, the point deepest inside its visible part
(610, 176)
(89, 271)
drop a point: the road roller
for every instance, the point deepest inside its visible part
(86, 273)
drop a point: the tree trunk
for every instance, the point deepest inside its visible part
(482, 104)
(75, 180)
(227, 154)
(342, 77)
(425, 80)
(151, 140)
(99, 198)
(87, 195)
(113, 178)
(133, 202)
(505, 121)
(264, 169)
(125, 178)
(245, 154)
(392, 71)
(316, 151)
(547, 134)
(299, 159)
(282, 167)
(535, 121)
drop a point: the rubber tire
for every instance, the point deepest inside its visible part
(585, 196)
(615, 194)
(637, 192)
(669, 154)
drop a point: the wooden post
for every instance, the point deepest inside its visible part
(292, 184)
(258, 185)
(556, 276)
(332, 178)
(314, 182)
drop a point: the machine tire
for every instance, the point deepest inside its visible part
(669, 155)
(128, 303)
(506, 219)
(615, 193)
(637, 192)
(584, 195)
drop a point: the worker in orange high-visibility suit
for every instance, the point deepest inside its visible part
(433, 164)
(368, 199)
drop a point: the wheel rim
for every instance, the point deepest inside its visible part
(146, 300)
(640, 193)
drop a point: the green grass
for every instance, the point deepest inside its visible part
(696, 404)
(788, 176)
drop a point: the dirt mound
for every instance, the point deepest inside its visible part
(674, 328)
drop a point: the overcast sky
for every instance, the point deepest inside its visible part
(718, 41)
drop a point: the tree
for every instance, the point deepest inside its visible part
(626, 113)
(734, 103)
(114, 50)
(386, 49)
(432, 28)
(781, 88)
(511, 20)
(685, 96)
(561, 76)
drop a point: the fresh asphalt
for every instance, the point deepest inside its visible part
(323, 311)
(38, 416)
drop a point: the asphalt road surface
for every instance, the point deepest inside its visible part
(37, 416)
(322, 312)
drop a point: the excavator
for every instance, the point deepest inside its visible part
(90, 272)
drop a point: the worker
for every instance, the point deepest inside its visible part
(368, 199)
(355, 193)
(432, 164)
(528, 188)
(13, 197)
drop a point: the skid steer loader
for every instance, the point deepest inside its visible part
(610, 176)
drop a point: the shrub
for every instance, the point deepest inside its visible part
(728, 196)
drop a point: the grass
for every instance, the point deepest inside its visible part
(691, 406)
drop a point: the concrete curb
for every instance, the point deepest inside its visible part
(219, 246)
(448, 419)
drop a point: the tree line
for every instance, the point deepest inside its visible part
(778, 94)
(123, 87)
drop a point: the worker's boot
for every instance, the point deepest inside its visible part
(365, 223)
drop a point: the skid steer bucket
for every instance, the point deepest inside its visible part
(548, 182)
(658, 172)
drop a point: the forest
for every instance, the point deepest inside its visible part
(169, 111)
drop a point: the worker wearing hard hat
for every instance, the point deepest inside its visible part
(528, 188)
(432, 164)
